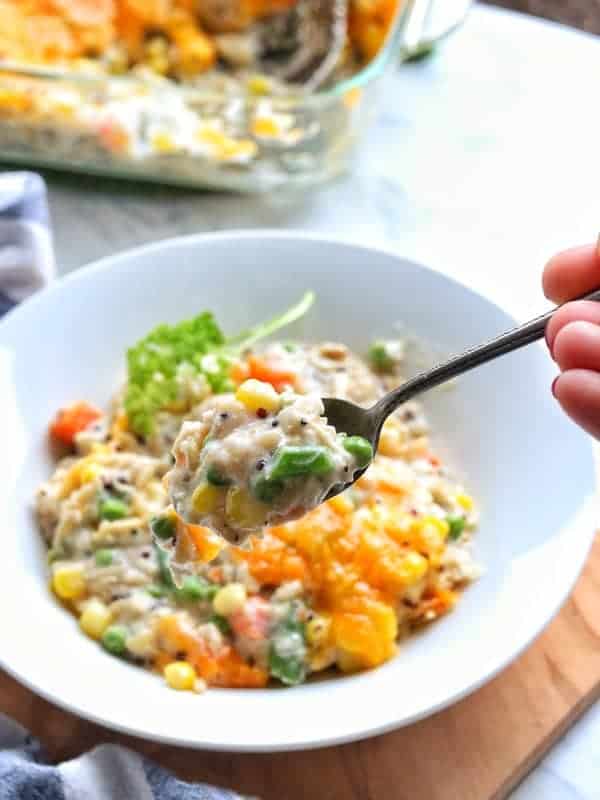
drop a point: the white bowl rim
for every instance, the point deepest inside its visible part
(587, 512)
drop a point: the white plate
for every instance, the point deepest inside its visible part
(530, 468)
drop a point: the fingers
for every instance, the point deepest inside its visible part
(572, 273)
(577, 346)
(573, 334)
(578, 392)
(583, 310)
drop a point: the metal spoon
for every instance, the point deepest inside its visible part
(349, 418)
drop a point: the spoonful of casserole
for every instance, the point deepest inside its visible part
(262, 457)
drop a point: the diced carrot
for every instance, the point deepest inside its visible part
(239, 372)
(271, 562)
(234, 672)
(261, 370)
(71, 421)
(176, 638)
(206, 543)
(434, 606)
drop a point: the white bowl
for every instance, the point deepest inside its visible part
(530, 468)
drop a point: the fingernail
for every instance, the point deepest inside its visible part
(553, 387)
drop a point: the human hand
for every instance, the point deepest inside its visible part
(573, 334)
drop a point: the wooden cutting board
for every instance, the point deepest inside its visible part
(477, 750)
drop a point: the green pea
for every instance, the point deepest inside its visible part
(265, 489)
(360, 448)
(193, 589)
(112, 508)
(214, 476)
(162, 527)
(104, 557)
(380, 357)
(295, 460)
(290, 670)
(221, 624)
(457, 526)
(113, 639)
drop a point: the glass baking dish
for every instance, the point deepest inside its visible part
(246, 138)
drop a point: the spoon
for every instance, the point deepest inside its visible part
(349, 418)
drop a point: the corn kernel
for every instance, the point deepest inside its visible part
(163, 142)
(158, 63)
(229, 599)
(265, 127)
(465, 501)
(89, 472)
(206, 498)
(243, 511)
(95, 618)
(100, 449)
(414, 567)
(318, 630)
(431, 523)
(210, 135)
(259, 85)
(180, 675)
(256, 394)
(240, 148)
(68, 582)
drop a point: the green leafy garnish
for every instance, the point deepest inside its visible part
(153, 362)
(164, 569)
(198, 346)
(289, 668)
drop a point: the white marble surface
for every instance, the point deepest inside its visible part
(484, 161)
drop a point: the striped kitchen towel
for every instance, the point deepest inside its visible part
(107, 772)
(26, 255)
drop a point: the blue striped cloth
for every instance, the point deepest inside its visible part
(108, 772)
(26, 255)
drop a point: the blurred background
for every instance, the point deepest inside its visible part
(582, 14)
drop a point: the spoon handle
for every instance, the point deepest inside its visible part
(505, 343)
